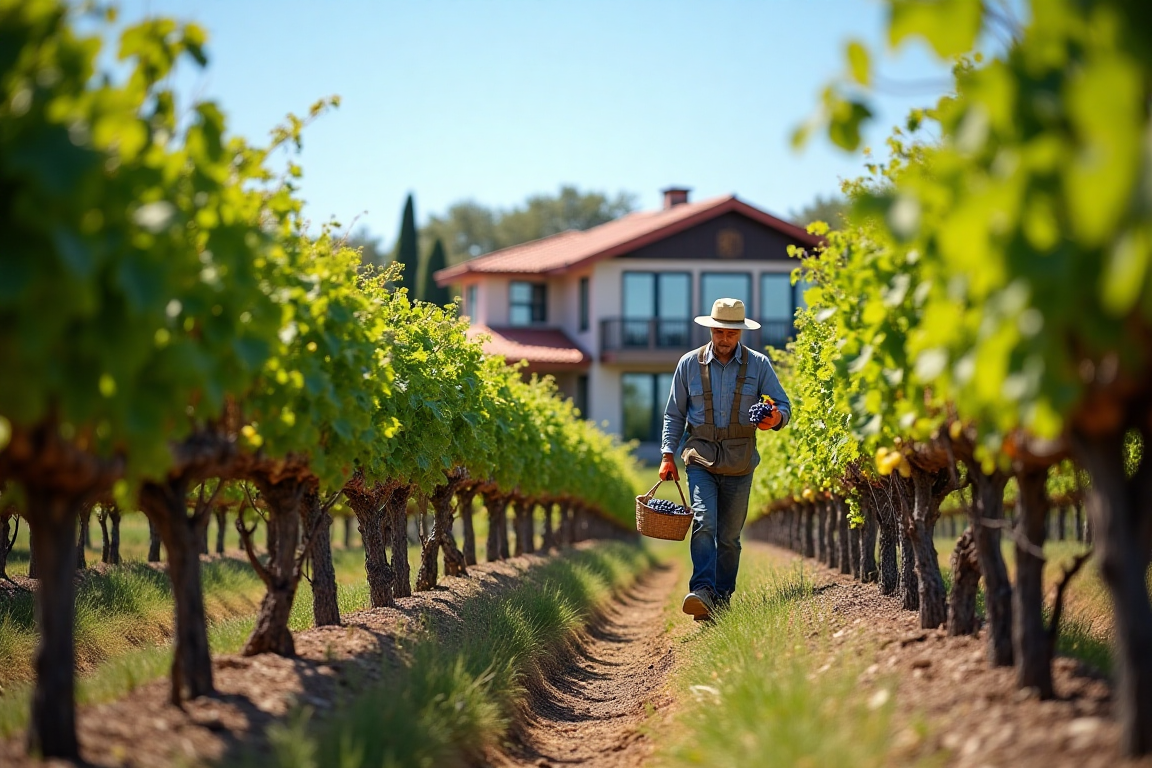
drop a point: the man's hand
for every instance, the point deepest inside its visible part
(772, 420)
(668, 468)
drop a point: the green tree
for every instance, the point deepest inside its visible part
(469, 229)
(371, 250)
(830, 210)
(407, 250)
(435, 261)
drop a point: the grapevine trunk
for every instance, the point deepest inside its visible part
(52, 524)
(1121, 525)
(988, 504)
(843, 538)
(925, 511)
(464, 502)
(397, 523)
(965, 563)
(281, 573)
(166, 507)
(1029, 640)
(889, 539)
(325, 607)
(370, 511)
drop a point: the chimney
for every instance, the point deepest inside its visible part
(674, 196)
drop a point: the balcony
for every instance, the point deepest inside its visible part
(655, 340)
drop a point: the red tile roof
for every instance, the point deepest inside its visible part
(560, 253)
(542, 347)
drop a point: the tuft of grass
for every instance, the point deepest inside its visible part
(460, 680)
(754, 690)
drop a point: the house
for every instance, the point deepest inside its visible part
(608, 311)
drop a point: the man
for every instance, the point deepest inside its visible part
(712, 390)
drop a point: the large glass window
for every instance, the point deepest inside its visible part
(581, 399)
(528, 303)
(776, 301)
(725, 285)
(657, 309)
(583, 304)
(470, 302)
(645, 395)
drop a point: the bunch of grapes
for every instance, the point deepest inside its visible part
(667, 507)
(762, 410)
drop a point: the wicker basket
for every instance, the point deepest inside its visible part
(662, 525)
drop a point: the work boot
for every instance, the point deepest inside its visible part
(699, 604)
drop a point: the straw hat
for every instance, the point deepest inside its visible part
(727, 313)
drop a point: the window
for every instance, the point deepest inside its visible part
(583, 304)
(725, 285)
(528, 303)
(581, 399)
(776, 302)
(657, 309)
(645, 396)
(470, 302)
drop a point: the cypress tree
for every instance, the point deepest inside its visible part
(407, 252)
(436, 261)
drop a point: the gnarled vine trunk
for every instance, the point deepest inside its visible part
(1120, 514)
(166, 506)
(318, 524)
(1029, 639)
(9, 528)
(548, 538)
(221, 515)
(496, 504)
(52, 519)
(988, 504)
(830, 529)
(464, 504)
(398, 530)
(928, 489)
(965, 563)
(370, 509)
(821, 532)
(844, 538)
(889, 535)
(441, 539)
(809, 539)
(525, 544)
(869, 571)
(281, 574)
(153, 543)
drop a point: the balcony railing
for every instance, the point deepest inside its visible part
(622, 335)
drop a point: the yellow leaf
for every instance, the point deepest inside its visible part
(859, 64)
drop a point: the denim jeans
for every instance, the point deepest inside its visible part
(720, 504)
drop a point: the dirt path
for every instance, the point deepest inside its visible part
(590, 710)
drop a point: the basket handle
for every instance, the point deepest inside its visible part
(678, 488)
(652, 490)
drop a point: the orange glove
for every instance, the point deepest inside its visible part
(668, 468)
(771, 420)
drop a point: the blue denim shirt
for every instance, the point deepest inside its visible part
(686, 400)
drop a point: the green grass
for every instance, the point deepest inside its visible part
(454, 693)
(764, 686)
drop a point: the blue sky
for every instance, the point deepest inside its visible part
(494, 100)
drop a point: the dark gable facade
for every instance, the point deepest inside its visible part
(728, 237)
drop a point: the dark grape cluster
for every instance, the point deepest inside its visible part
(760, 411)
(667, 507)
